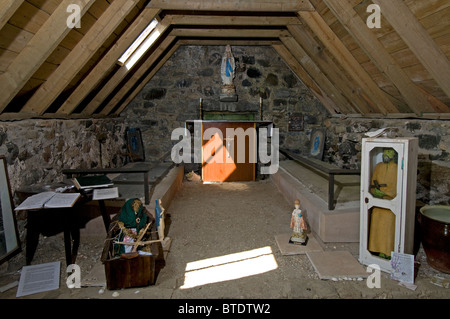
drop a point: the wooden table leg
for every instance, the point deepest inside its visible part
(105, 215)
(68, 246)
(32, 238)
(75, 233)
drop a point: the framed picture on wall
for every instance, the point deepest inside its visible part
(296, 123)
(135, 145)
(9, 235)
(317, 143)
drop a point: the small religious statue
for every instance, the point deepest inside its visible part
(298, 225)
(227, 72)
(133, 224)
(382, 223)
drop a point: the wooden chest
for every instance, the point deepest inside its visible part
(138, 271)
(128, 273)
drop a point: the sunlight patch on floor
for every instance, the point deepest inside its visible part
(229, 267)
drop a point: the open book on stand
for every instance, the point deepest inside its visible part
(49, 200)
(97, 181)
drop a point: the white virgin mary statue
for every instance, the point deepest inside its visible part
(228, 67)
(227, 72)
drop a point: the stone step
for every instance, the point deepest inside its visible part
(339, 225)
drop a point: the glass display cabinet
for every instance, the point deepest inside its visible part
(388, 199)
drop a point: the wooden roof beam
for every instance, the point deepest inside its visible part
(7, 9)
(418, 40)
(368, 41)
(230, 33)
(79, 56)
(298, 69)
(108, 61)
(371, 91)
(210, 20)
(328, 66)
(315, 73)
(223, 42)
(234, 5)
(37, 50)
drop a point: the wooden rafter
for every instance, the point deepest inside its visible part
(233, 33)
(328, 67)
(367, 40)
(79, 56)
(351, 69)
(37, 50)
(7, 9)
(209, 20)
(370, 89)
(232, 42)
(315, 73)
(108, 61)
(298, 69)
(418, 40)
(234, 5)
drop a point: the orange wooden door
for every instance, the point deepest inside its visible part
(222, 160)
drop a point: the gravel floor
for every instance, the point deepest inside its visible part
(213, 220)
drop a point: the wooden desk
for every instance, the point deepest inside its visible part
(51, 221)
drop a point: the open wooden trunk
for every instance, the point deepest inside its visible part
(139, 271)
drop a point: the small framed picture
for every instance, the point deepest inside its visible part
(317, 143)
(296, 123)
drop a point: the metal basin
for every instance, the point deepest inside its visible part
(434, 223)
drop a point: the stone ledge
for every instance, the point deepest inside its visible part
(339, 225)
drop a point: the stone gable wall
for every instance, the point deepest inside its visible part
(193, 72)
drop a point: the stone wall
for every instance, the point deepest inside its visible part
(193, 72)
(343, 148)
(37, 150)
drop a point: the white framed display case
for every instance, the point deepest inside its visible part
(388, 199)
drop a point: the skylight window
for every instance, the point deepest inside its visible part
(136, 50)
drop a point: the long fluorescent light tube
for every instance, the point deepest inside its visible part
(144, 34)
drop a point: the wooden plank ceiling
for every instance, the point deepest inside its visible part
(50, 70)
